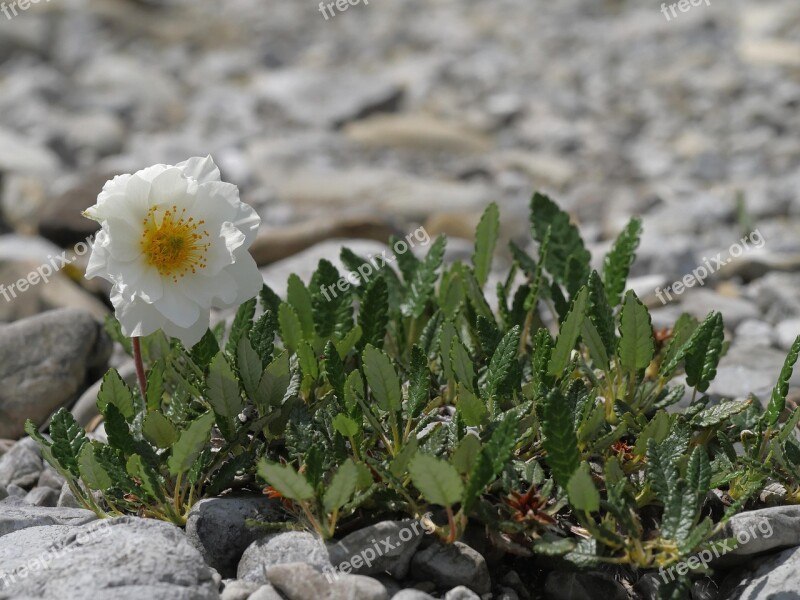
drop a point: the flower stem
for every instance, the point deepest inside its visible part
(137, 357)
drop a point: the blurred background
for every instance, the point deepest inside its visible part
(393, 114)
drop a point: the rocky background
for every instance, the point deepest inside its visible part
(382, 118)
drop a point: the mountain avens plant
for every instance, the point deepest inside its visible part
(553, 422)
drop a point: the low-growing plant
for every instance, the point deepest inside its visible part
(560, 420)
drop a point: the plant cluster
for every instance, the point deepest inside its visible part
(545, 421)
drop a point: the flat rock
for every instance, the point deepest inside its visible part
(14, 517)
(216, 527)
(125, 558)
(416, 132)
(62, 221)
(327, 99)
(396, 543)
(583, 586)
(300, 581)
(411, 594)
(461, 593)
(776, 576)
(760, 531)
(44, 363)
(281, 548)
(22, 465)
(452, 565)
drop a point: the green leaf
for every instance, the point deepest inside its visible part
(503, 362)
(206, 349)
(223, 395)
(382, 379)
(568, 334)
(618, 261)
(704, 351)
(349, 341)
(68, 440)
(250, 367)
(656, 429)
(114, 330)
(242, 324)
(353, 391)
(597, 349)
(419, 382)
(438, 481)
(420, 287)
(291, 328)
(485, 243)
(118, 431)
(288, 482)
(470, 407)
(155, 386)
(115, 391)
(342, 487)
(560, 440)
(373, 316)
(91, 471)
(190, 443)
(462, 363)
(346, 426)
(159, 430)
(466, 454)
(601, 315)
(565, 240)
(332, 307)
(777, 401)
(682, 332)
(542, 353)
(720, 413)
(636, 344)
(298, 297)
(150, 481)
(583, 494)
(274, 384)
(269, 299)
(262, 336)
(493, 458)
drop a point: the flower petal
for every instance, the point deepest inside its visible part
(189, 336)
(200, 168)
(176, 307)
(137, 318)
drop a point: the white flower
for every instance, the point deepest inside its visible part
(174, 242)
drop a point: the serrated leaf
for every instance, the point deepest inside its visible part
(262, 336)
(353, 391)
(485, 242)
(242, 324)
(274, 384)
(618, 261)
(342, 487)
(373, 316)
(149, 479)
(470, 407)
(68, 440)
(291, 328)
(349, 341)
(438, 481)
(560, 440)
(777, 401)
(399, 464)
(223, 395)
(159, 430)
(656, 429)
(206, 349)
(565, 240)
(503, 362)
(601, 315)
(115, 391)
(155, 386)
(190, 443)
(493, 458)
(462, 363)
(114, 330)
(345, 426)
(583, 494)
(269, 299)
(288, 482)
(636, 343)
(250, 368)
(568, 334)
(91, 471)
(714, 415)
(704, 351)
(331, 304)
(466, 454)
(420, 287)
(382, 379)
(419, 382)
(682, 332)
(298, 297)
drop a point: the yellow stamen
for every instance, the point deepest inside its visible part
(174, 244)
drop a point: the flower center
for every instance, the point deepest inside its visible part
(175, 245)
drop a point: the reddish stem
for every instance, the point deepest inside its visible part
(137, 358)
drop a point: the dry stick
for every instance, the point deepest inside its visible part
(137, 357)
